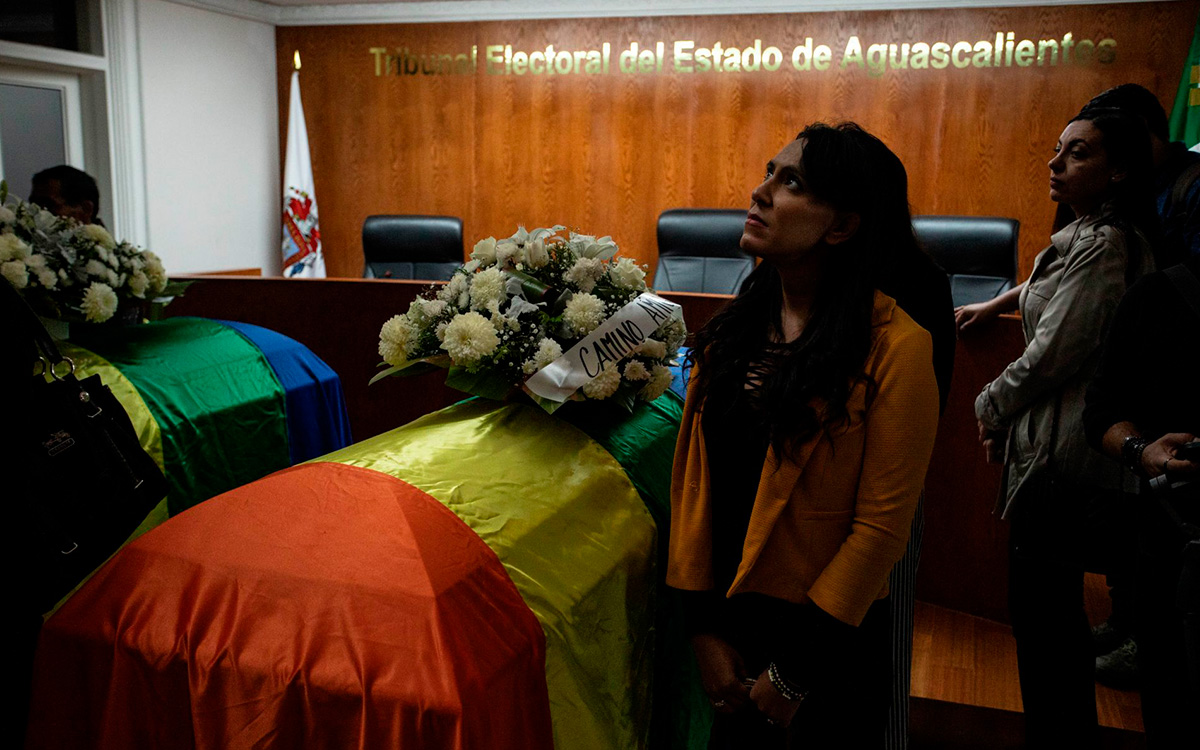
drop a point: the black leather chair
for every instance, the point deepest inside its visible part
(698, 251)
(428, 248)
(979, 253)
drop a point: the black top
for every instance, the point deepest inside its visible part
(1147, 373)
(1180, 218)
(922, 289)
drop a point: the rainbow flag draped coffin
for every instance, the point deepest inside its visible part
(232, 402)
(487, 571)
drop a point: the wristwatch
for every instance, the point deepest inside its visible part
(1132, 448)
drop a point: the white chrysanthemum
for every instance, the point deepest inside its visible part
(47, 278)
(99, 302)
(536, 254)
(99, 235)
(487, 289)
(584, 312)
(509, 253)
(548, 351)
(603, 385)
(155, 272)
(440, 331)
(660, 381)
(635, 370)
(6, 215)
(422, 311)
(586, 272)
(96, 268)
(14, 271)
(396, 339)
(457, 286)
(627, 274)
(675, 334)
(469, 337)
(13, 247)
(652, 348)
(36, 262)
(138, 284)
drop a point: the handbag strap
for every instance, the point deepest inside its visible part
(21, 310)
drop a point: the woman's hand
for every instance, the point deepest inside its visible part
(721, 672)
(771, 703)
(1159, 456)
(993, 443)
(967, 316)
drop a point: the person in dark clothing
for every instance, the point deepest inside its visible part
(1142, 405)
(69, 192)
(1176, 182)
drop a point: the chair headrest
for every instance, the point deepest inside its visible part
(704, 232)
(412, 238)
(978, 245)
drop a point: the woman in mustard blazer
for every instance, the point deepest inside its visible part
(808, 427)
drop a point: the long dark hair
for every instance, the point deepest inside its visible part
(803, 386)
(1130, 205)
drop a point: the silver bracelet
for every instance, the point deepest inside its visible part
(786, 689)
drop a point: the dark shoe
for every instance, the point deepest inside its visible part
(1107, 638)
(1118, 668)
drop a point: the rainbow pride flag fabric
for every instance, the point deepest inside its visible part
(485, 576)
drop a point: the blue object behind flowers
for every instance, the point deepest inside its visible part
(680, 373)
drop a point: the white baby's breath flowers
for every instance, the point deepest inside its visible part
(469, 338)
(635, 370)
(674, 332)
(548, 351)
(487, 289)
(536, 254)
(99, 302)
(603, 385)
(396, 339)
(652, 348)
(485, 251)
(660, 380)
(13, 247)
(584, 312)
(14, 271)
(585, 273)
(627, 274)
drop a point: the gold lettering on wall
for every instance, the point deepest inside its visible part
(1003, 50)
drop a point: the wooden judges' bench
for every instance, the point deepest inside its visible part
(963, 562)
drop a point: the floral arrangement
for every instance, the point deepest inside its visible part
(72, 271)
(517, 306)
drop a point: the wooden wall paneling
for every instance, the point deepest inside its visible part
(608, 153)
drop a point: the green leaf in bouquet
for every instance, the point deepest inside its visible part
(412, 367)
(486, 384)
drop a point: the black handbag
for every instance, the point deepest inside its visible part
(88, 483)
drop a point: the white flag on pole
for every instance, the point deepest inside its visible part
(301, 235)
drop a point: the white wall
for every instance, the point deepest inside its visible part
(211, 130)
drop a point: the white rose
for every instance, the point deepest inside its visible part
(485, 251)
(627, 274)
(99, 302)
(14, 271)
(603, 385)
(469, 337)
